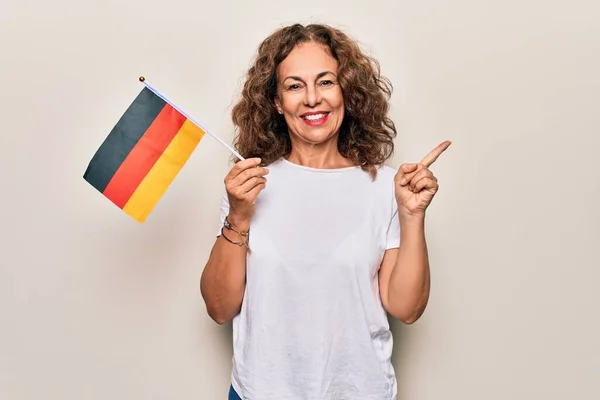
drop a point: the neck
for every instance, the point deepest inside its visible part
(315, 156)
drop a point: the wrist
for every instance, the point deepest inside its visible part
(238, 222)
(411, 219)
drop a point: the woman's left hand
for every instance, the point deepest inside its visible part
(416, 185)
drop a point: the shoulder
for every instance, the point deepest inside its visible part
(385, 174)
(387, 170)
(384, 184)
(279, 164)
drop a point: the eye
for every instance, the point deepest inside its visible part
(294, 86)
(326, 83)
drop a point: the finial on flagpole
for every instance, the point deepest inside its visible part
(142, 79)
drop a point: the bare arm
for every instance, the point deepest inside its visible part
(223, 280)
(404, 276)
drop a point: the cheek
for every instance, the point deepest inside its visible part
(291, 102)
(339, 104)
(337, 99)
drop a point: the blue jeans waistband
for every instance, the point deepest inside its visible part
(233, 395)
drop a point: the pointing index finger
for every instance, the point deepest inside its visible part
(435, 153)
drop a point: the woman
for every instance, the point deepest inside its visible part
(309, 264)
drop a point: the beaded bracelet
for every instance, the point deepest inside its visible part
(227, 225)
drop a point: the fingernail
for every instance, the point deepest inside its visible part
(403, 181)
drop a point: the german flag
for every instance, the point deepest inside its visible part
(142, 154)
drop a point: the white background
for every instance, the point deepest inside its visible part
(95, 306)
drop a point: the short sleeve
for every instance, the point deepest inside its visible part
(224, 210)
(393, 232)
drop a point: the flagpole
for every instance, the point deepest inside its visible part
(162, 96)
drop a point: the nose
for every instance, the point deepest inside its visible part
(312, 96)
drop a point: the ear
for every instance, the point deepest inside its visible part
(278, 105)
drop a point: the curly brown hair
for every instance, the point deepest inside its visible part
(366, 133)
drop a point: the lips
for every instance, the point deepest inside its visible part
(315, 118)
(314, 115)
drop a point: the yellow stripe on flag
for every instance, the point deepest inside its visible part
(164, 171)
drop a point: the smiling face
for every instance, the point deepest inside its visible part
(309, 95)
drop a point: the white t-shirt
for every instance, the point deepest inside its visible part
(312, 325)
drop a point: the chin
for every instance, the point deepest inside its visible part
(318, 137)
(318, 134)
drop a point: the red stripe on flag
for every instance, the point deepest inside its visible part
(144, 155)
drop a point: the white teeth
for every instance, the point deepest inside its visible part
(314, 117)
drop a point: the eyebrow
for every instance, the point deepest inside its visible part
(319, 75)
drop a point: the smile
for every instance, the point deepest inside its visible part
(315, 119)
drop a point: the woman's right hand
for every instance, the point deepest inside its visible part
(243, 183)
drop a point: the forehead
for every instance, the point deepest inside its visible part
(307, 60)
